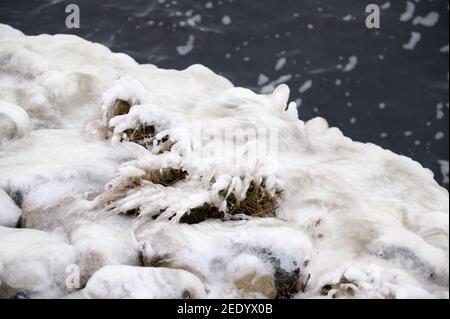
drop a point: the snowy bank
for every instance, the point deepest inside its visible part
(170, 184)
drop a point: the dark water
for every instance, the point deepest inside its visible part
(394, 97)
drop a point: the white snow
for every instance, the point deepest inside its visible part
(348, 18)
(430, 20)
(263, 79)
(280, 64)
(213, 248)
(270, 87)
(127, 282)
(9, 212)
(14, 121)
(34, 262)
(306, 86)
(413, 41)
(444, 49)
(444, 171)
(409, 13)
(386, 5)
(351, 65)
(440, 114)
(226, 20)
(352, 217)
(188, 47)
(439, 136)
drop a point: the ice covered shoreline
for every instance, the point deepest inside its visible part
(352, 220)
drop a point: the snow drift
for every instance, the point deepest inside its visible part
(148, 182)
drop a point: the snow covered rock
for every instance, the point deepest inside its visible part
(125, 282)
(9, 212)
(34, 262)
(102, 244)
(14, 121)
(249, 258)
(121, 158)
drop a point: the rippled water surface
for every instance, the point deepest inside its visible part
(366, 82)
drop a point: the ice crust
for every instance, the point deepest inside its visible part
(354, 220)
(10, 212)
(128, 282)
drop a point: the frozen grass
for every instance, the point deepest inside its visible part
(322, 215)
(165, 177)
(200, 214)
(142, 135)
(257, 203)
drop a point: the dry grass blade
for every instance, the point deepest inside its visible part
(142, 135)
(257, 203)
(165, 177)
(200, 214)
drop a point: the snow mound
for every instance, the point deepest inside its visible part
(34, 263)
(14, 121)
(222, 255)
(126, 282)
(9, 213)
(160, 182)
